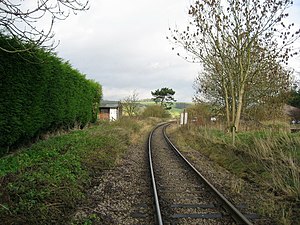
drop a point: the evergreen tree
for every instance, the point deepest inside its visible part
(164, 97)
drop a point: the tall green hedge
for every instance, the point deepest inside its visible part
(40, 92)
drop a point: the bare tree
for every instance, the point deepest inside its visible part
(240, 45)
(130, 104)
(262, 88)
(19, 19)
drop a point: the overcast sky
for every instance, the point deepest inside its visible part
(122, 45)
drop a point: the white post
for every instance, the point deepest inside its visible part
(183, 118)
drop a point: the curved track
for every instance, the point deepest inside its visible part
(181, 194)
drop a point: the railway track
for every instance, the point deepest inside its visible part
(181, 194)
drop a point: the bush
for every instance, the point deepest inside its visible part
(200, 113)
(155, 111)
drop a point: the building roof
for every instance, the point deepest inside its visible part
(292, 111)
(109, 104)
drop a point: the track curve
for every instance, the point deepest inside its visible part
(181, 194)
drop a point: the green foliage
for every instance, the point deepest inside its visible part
(164, 96)
(40, 92)
(44, 183)
(174, 111)
(294, 99)
(155, 111)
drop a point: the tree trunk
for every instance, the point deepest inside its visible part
(226, 104)
(239, 107)
(233, 103)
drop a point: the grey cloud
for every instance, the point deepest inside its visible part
(125, 50)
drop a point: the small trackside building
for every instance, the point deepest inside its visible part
(110, 110)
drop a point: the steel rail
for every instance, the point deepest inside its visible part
(156, 200)
(229, 207)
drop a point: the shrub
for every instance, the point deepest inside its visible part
(155, 111)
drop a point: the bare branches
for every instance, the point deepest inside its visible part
(241, 45)
(130, 104)
(21, 19)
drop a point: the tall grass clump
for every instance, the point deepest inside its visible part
(279, 155)
(130, 123)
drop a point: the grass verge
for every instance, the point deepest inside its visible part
(269, 160)
(43, 184)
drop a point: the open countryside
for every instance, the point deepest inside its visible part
(116, 137)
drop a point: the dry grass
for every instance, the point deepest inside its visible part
(278, 154)
(269, 158)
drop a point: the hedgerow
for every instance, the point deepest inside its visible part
(40, 92)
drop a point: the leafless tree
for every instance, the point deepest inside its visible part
(242, 46)
(19, 19)
(130, 104)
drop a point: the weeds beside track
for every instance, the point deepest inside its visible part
(268, 160)
(43, 184)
